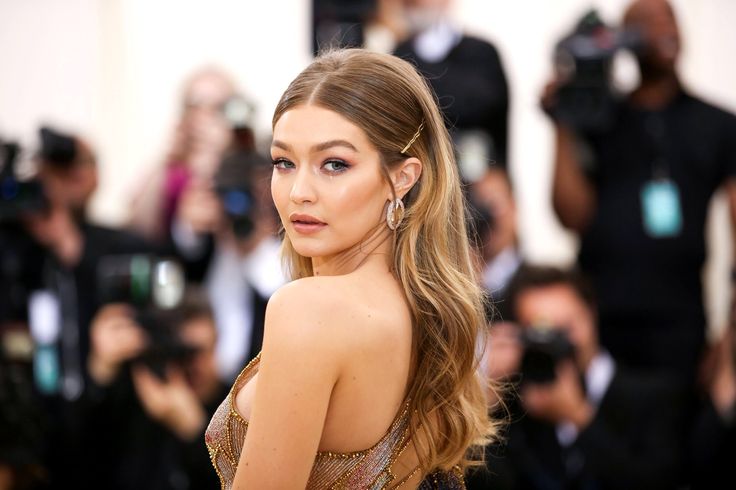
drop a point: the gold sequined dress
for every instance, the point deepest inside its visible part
(367, 469)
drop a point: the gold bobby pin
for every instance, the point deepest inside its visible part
(414, 138)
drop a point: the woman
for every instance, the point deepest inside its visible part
(368, 360)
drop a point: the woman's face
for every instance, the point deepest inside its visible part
(327, 182)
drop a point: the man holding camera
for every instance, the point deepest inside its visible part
(50, 251)
(241, 269)
(210, 204)
(637, 191)
(580, 420)
(149, 404)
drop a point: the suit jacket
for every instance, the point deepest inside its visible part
(635, 441)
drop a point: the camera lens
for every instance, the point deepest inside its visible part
(168, 284)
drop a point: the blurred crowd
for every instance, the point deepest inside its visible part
(117, 344)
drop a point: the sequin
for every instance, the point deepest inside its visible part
(369, 469)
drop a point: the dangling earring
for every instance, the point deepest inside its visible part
(394, 207)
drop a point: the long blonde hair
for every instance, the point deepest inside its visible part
(389, 100)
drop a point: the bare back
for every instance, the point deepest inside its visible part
(366, 314)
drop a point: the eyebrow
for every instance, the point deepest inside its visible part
(318, 147)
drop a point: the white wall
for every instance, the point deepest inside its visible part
(112, 70)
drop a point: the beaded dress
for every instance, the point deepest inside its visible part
(367, 469)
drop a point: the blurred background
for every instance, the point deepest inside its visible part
(136, 263)
(113, 71)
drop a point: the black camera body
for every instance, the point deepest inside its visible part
(144, 281)
(544, 349)
(20, 197)
(236, 184)
(238, 202)
(154, 287)
(17, 197)
(584, 58)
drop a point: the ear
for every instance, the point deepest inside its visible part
(405, 175)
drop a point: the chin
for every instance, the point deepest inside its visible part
(305, 249)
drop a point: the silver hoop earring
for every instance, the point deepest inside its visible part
(394, 207)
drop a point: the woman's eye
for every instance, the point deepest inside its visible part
(335, 166)
(282, 163)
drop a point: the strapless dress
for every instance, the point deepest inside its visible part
(366, 469)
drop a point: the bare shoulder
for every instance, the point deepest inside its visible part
(307, 313)
(327, 312)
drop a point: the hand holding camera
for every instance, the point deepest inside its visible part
(504, 351)
(582, 93)
(115, 339)
(551, 383)
(200, 208)
(561, 400)
(170, 401)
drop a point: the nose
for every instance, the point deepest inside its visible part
(302, 187)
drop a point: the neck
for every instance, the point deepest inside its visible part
(374, 250)
(656, 90)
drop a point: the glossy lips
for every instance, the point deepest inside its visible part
(306, 224)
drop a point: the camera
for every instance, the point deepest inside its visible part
(141, 280)
(236, 184)
(154, 286)
(17, 196)
(239, 113)
(57, 149)
(544, 348)
(584, 59)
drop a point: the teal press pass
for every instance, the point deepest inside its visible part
(661, 208)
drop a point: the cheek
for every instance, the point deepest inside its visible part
(279, 194)
(360, 204)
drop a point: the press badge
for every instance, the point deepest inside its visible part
(662, 212)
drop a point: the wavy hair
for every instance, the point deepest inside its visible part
(388, 99)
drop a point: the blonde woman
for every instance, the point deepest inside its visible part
(367, 376)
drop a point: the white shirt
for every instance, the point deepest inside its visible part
(229, 280)
(436, 42)
(497, 273)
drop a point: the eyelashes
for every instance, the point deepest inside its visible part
(331, 166)
(282, 163)
(335, 166)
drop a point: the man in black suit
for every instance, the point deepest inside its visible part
(147, 428)
(50, 256)
(580, 420)
(468, 75)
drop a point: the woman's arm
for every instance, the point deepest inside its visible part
(300, 364)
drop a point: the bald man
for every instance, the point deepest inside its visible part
(640, 206)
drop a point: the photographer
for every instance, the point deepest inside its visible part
(493, 212)
(211, 206)
(637, 191)
(469, 78)
(49, 255)
(238, 258)
(74, 245)
(202, 135)
(580, 420)
(147, 412)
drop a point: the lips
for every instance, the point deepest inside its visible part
(306, 224)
